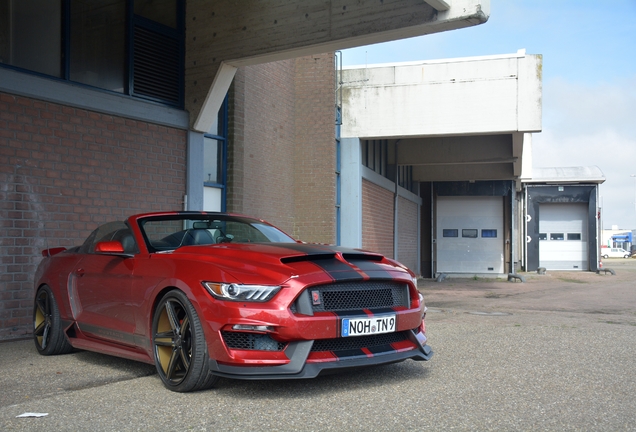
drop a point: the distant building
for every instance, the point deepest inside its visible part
(617, 238)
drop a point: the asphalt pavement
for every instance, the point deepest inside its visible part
(554, 353)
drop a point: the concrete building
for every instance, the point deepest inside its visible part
(433, 158)
(109, 108)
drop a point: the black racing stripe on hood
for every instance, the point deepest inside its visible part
(368, 265)
(322, 256)
(338, 270)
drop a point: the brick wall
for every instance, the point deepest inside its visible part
(377, 219)
(261, 143)
(64, 171)
(281, 158)
(315, 157)
(407, 233)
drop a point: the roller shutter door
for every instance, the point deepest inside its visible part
(563, 239)
(469, 237)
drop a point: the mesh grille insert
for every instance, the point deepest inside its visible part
(351, 343)
(251, 341)
(346, 296)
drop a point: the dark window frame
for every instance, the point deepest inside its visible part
(131, 20)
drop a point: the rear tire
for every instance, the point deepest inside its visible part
(180, 349)
(48, 333)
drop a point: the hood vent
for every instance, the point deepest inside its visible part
(312, 257)
(361, 257)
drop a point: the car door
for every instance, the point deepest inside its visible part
(102, 284)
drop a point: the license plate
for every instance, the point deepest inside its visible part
(367, 326)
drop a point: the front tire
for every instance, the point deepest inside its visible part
(180, 349)
(605, 256)
(48, 333)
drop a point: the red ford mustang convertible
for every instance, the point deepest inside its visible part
(209, 295)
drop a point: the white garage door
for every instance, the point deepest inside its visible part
(563, 239)
(469, 236)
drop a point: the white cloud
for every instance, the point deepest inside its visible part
(587, 125)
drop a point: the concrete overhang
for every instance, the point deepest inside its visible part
(566, 175)
(225, 34)
(463, 158)
(462, 119)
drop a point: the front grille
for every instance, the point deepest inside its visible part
(251, 341)
(359, 342)
(347, 296)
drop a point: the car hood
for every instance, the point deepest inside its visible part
(278, 262)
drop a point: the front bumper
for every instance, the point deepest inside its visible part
(298, 367)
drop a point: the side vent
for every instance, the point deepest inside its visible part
(156, 66)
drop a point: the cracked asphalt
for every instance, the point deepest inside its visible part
(555, 353)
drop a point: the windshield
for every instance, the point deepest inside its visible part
(166, 233)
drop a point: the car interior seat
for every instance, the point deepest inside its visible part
(200, 237)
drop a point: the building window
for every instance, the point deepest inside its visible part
(450, 233)
(134, 47)
(157, 71)
(469, 233)
(405, 177)
(31, 35)
(374, 155)
(98, 45)
(215, 154)
(574, 236)
(212, 161)
(162, 12)
(214, 149)
(557, 236)
(489, 233)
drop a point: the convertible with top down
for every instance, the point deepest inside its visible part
(208, 295)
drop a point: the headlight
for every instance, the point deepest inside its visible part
(239, 292)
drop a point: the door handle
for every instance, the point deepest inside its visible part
(79, 272)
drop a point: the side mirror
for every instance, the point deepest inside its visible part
(111, 248)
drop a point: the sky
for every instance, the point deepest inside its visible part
(589, 82)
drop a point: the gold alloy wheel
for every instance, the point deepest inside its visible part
(42, 321)
(48, 331)
(173, 341)
(180, 348)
